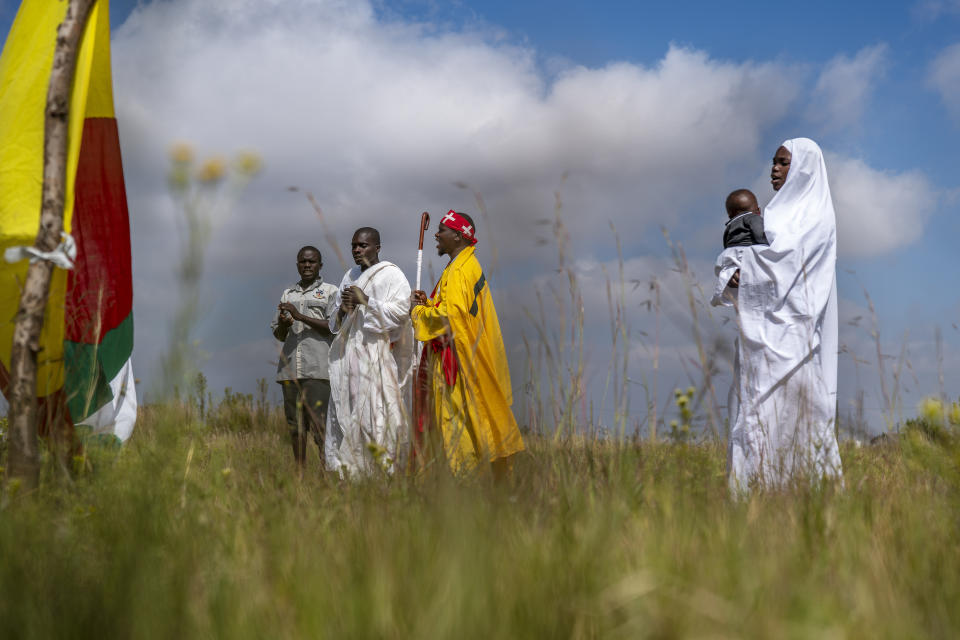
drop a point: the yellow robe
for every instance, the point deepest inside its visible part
(474, 414)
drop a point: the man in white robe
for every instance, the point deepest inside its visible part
(371, 362)
(783, 404)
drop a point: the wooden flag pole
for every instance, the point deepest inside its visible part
(24, 461)
(424, 223)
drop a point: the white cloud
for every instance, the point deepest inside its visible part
(376, 116)
(930, 10)
(379, 118)
(944, 76)
(877, 211)
(845, 86)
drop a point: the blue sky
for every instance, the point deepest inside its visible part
(652, 112)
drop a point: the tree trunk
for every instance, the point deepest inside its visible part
(23, 459)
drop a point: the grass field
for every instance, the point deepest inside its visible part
(205, 530)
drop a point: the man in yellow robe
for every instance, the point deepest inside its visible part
(463, 385)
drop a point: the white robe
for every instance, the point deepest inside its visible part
(784, 412)
(371, 364)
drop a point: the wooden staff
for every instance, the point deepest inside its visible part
(424, 223)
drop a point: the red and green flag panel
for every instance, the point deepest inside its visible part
(84, 373)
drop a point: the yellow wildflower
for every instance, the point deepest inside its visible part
(212, 170)
(954, 415)
(248, 163)
(181, 153)
(931, 410)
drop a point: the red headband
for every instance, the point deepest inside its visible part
(457, 222)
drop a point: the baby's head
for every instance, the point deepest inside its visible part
(741, 201)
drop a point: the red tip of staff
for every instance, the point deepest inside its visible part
(424, 223)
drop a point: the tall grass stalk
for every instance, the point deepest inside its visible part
(618, 371)
(705, 361)
(561, 347)
(204, 194)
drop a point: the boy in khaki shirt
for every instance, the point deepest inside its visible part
(301, 324)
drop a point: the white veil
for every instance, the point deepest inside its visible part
(788, 289)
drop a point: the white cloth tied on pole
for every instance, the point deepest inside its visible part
(786, 380)
(63, 256)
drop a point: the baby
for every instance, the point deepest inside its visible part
(745, 226)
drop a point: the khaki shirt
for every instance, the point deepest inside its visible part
(304, 352)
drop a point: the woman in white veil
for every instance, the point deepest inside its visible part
(784, 427)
